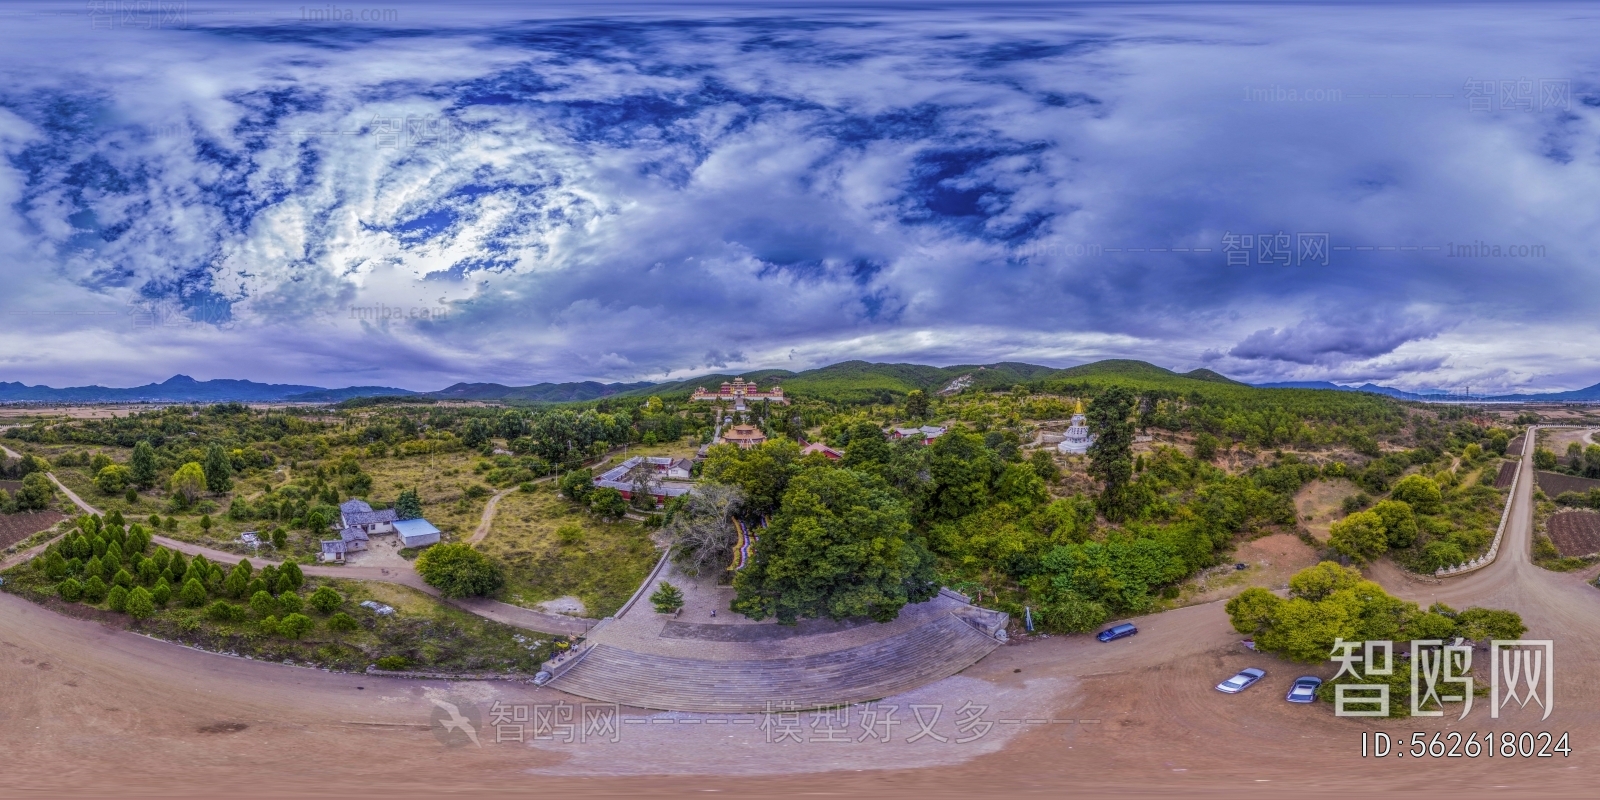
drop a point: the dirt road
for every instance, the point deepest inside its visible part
(86, 710)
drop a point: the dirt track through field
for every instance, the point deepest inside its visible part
(86, 710)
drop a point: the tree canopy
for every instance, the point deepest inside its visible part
(457, 570)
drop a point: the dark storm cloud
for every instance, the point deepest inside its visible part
(595, 198)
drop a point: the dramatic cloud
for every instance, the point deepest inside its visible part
(480, 193)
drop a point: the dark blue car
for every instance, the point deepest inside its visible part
(1117, 632)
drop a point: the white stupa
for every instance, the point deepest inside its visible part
(1078, 436)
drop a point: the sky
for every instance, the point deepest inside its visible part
(413, 195)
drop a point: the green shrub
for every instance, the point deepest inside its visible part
(94, 589)
(263, 604)
(457, 570)
(294, 626)
(290, 603)
(193, 593)
(325, 599)
(70, 590)
(140, 603)
(342, 622)
(667, 598)
(117, 598)
(224, 611)
(162, 593)
(393, 663)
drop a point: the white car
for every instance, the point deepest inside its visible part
(1242, 681)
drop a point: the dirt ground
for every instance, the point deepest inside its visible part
(1319, 504)
(88, 711)
(1269, 561)
(1557, 439)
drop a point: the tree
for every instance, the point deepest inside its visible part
(325, 600)
(263, 604)
(1111, 455)
(205, 522)
(1398, 522)
(838, 547)
(867, 446)
(162, 593)
(409, 506)
(702, 534)
(916, 405)
(960, 470)
(608, 503)
(117, 598)
(1205, 446)
(290, 577)
(1044, 465)
(577, 485)
(218, 470)
(667, 598)
(280, 538)
(237, 581)
(1360, 536)
(143, 464)
(294, 626)
(457, 570)
(1486, 624)
(224, 611)
(140, 603)
(188, 483)
(36, 494)
(193, 593)
(1419, 492)
(131, 495)
(342, 622)
(94, 589)
(112, 479)
(1544, 459)
(70, 590)
(290, 602)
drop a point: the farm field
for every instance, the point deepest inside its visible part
(551, 548)
(16, 527)
(1555, 483)
(1575, 533)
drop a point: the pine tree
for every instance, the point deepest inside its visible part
(144, 464)
(263, 604)
(123, 578)
(193, 594)
(140, 604)
(325, 599)
(71, 591)
(409, 506)
(162, 593)
(667, 598)
(290, 578)
(236, 583)
(218, 470)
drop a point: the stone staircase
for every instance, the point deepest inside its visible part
(936, 649)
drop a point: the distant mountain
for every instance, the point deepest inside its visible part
(1586, 394)
(184, 389)
(539, 392)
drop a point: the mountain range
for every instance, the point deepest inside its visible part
(849, 380)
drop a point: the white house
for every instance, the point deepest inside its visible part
(416, 532)
(357, 514)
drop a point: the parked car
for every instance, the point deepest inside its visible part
(1242, 681)
(1117, 632)
(1304, 689)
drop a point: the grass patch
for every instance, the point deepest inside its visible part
(550, 548)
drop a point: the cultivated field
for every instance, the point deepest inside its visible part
(16, 527)
(1575, 533)
(1555, 483)
(552, 548)
(1508, 472)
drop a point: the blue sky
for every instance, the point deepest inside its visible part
(621, 193)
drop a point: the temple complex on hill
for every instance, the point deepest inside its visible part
(738, 391)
